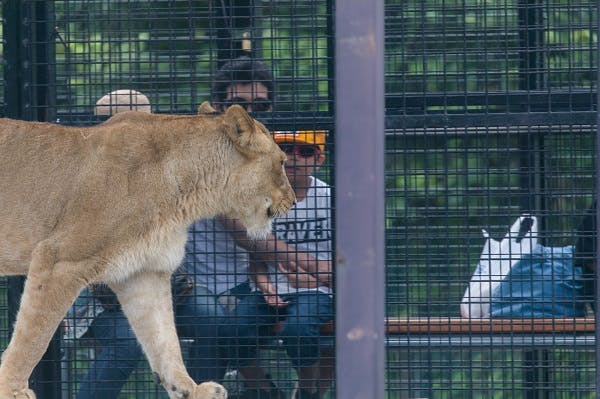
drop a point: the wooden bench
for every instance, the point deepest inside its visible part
(462, 325)
(405, 331)
(534, 337)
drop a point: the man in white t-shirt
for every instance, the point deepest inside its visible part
(294, 299)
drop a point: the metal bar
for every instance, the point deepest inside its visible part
(491, 120)
(531, 364)
(498, 341)
(13, 76)
(531, 39)
(38, 25)
(11, 12)
(232, 20)
(540, 100)
(359, 104)
(597, 198)
(531, 22)
(421, 124)
(43, 72)
(29, 94)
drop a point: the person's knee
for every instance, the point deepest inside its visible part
(294, 329)
(303, 355)
(199, 319)
(121, 350)
(192, 326)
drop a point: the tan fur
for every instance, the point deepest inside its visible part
(111, 203)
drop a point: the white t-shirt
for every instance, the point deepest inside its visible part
(307, 226)
(214, 258)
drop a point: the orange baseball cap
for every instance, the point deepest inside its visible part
(315, 137)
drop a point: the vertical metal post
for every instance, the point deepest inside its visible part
(359, 177)
(597, 236)
(29, 95)
(531, 39)
(531, 78)
(233, 26)
(13, 98)
(40, 26)
(11, 12)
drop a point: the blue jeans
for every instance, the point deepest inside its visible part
(197, 317)
(251, 324)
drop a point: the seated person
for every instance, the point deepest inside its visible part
(301, 300)
(517, 277)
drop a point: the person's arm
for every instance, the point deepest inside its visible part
(260, 275)
(275, 251)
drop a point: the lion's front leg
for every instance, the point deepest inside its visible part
(50, 289)
(146, 301)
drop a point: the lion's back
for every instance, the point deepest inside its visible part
(35, 149)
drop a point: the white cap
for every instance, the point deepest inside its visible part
(121, 101)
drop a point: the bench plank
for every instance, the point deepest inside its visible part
(462, 325)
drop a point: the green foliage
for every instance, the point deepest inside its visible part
(476, 46)
(485, 374)
(166, 51)
(161, 49)
(300, 55)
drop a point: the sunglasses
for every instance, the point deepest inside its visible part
(303, 151)
(259, 104)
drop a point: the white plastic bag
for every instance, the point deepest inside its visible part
(495, 262)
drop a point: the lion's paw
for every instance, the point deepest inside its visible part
(20, 394)
(209, 390)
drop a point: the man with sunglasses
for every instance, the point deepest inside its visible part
(243, 81)
(219, 250)
(293, 301)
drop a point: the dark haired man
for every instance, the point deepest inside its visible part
(219, 249)
(246, 82)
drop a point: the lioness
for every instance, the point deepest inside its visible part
(111, 203)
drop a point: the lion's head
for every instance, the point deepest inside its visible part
(257, 175)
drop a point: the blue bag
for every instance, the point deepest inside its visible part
(543, 284)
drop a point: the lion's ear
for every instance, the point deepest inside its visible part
(206, 108)
(245, 134)
(237, 116)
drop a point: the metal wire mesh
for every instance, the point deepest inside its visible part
(485, 95)
(490, 113)
(169, 51)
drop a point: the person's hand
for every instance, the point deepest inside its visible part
(304, 263)
(275, 301)
(297, 277)
(269, 291)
